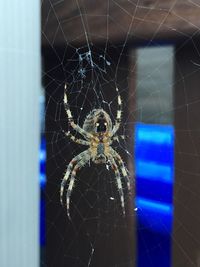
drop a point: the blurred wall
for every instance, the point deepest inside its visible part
(186, 237)
(19, 132)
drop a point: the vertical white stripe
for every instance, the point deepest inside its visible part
(19, 132)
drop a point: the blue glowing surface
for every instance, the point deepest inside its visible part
(42, 159)
(42, 177)
(154, 169)
(154, 215)
(154, 206)
(160, 135)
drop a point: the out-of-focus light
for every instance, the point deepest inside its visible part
(154, 134)
(154, 171)
(42, 180)
(154, 168)
(155, 206)
(155, 217)
(42, 155)
(42, 160)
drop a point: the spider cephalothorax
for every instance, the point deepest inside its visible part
(98, 133)
(97, 121)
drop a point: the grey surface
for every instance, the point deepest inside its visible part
(154, 84)
(19, 133)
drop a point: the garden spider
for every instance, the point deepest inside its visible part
(98, 134)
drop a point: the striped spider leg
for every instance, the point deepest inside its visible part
(119, 183)
(76, 140)
(123, 170)
(75, 164)
(116, 157)
(76, 127)
(119, 114)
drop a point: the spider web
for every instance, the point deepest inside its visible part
(98, 234)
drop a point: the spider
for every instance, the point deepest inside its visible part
(98, 134)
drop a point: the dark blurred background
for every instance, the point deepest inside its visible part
(154, 51)
(150, 50)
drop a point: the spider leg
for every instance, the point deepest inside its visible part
(116, 138)
(119, 183)
(119, 114)
(69, 170)
(77, 167)
(76, 140)
(118, 158)
(70, 117)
